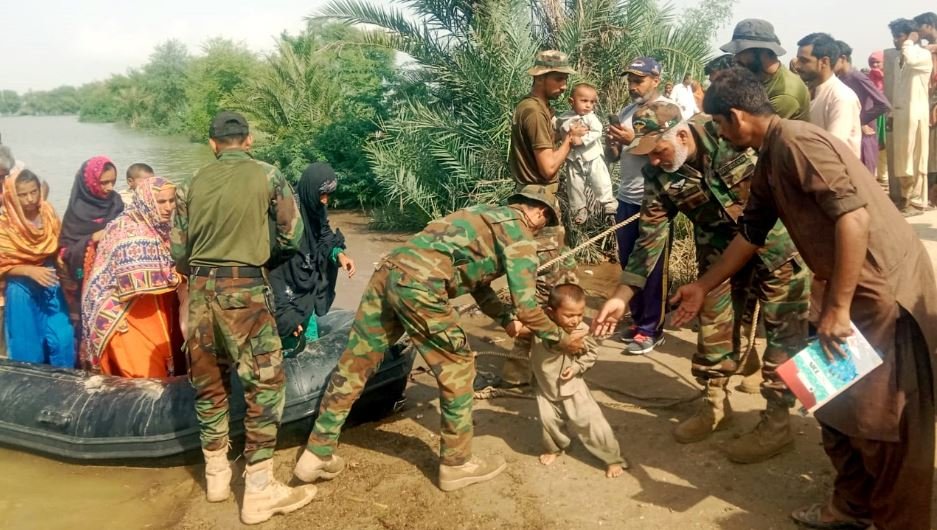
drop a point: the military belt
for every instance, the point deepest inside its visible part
(228, 272)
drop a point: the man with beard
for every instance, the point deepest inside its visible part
(647, 307)
(692, 171)
(834, 107)
(757, 48)
(878, 433)
(535, 159)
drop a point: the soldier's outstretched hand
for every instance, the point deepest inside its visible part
(606, 321)
(690, 297)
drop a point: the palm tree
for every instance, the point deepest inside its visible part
(446, 144)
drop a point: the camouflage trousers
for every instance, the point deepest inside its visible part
(550, 244)
(726, 320)
(394, 303)
(231, 323)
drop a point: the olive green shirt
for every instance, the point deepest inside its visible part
(223, 214)
(788, 95)
(531, 131)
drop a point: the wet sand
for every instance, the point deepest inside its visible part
(390, 482)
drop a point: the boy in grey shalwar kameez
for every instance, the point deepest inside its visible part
(562, 395)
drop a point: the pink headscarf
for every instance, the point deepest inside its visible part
(877, 75)
(92, 174)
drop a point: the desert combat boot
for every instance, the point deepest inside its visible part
(474, 471)
(217, 474)
(311, 467)
(265, 496)
(771, 437)
(714, 414)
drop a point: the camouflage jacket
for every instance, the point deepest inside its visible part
(224, 213)
(713, 200)
(465, 251)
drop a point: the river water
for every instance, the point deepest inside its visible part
(40, 492)
(54, 147)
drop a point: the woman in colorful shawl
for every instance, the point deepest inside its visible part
(93, 204)
(36, 318)
(304, 285)
(129, 307)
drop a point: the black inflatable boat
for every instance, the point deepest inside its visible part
(73, 414)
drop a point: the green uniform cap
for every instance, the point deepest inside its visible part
(542, 195)
(650, 122)
(551, 61)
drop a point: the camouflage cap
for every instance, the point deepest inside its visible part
(551, 61)
(650, 122)
(542, 195)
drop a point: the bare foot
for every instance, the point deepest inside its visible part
(614, 471)
(548, 458)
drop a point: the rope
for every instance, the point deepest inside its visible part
(653, 402)
(467, 308)
(588, 242)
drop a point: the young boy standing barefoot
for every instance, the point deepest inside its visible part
(562, 395)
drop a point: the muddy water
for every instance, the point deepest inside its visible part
(39, 492)
(55, 147)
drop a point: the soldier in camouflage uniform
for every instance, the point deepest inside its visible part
(411, 292)
(221, 239)
(692, 171)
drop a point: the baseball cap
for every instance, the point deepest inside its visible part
(644, 66)
(650, 122)
(227, 123)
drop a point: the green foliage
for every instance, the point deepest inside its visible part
(10, 102)
(320, 97)
(445, 145)
(61, 100)
(224, 68)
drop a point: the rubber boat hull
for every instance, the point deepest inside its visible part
(75, 415)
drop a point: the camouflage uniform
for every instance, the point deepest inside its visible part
(550, 244)
(714, 200)
(410, 292)
(230, 319)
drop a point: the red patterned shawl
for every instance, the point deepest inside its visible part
(132, 259)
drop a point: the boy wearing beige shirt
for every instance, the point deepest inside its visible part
(563, 399)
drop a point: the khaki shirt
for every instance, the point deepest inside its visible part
(531, 131)
(547, 363)
(806, 177)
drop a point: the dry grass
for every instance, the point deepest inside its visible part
(683, 267)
